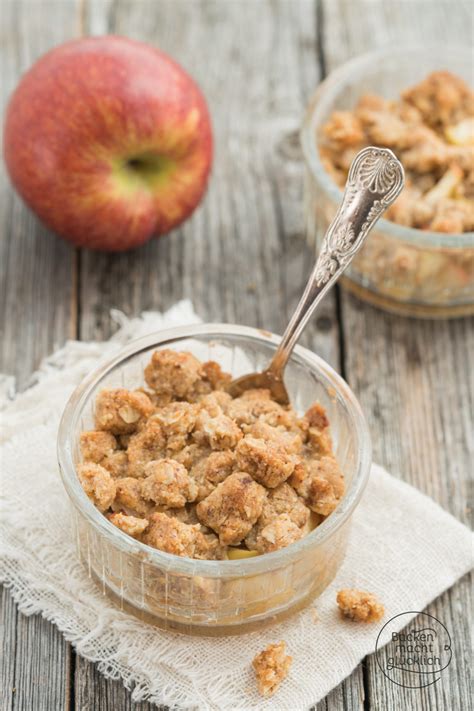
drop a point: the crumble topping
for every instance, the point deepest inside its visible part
(431, 129)
(184, 467)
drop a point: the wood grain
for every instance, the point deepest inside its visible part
(37, 276)
(8, 631)
(37, 312)
(414, 378)
(241, 258)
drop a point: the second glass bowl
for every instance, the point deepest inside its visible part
(202, 596)
(400, 269)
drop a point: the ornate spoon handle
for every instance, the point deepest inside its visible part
(375, 180)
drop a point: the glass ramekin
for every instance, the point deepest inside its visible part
(202, 596)
(400, 269)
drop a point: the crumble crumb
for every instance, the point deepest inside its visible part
(359, 606)
(267, 462)
(173, 373)
(129, 524)
(129, 498)
(146, 446)
(232, 508)
(279, 533)
(98, 484)
(177, 420)
(320, 483)
(315, 427)
(218, 431)
(215, 376)
(170, 535)
(167, 483)
(291, 440)
(284, 500)
(255, 405)
(271, 666)
(211, 470)
(121, 411)
(284, 519)
(96, 445)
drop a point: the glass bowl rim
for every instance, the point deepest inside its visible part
(211, 568)
(327, 91)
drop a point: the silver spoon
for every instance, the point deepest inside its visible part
(375, 180)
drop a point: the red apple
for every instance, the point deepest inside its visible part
(109, 141)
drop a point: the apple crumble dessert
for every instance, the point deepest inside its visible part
(431, 130)
(271, 666)
(359, 606)
(183, 467)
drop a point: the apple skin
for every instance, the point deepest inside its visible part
(109, 141)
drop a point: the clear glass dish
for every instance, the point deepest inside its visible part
(404, 270)
(202, 596)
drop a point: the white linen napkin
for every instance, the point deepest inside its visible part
(392, 552)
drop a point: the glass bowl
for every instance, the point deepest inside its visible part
(401, 269)
(202, 596)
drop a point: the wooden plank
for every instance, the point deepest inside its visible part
(37, 269)
(413, 378)
(43, 663)
(242, 257)
(37, 304)
(93, 692)
(8, 630)
(349, 695)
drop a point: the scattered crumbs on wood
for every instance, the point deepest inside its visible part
(251, 288)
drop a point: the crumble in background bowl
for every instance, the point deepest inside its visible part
(404, 270)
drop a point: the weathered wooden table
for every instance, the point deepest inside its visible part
(241, 258)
